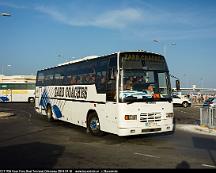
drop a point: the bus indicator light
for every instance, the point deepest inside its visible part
(130, 117)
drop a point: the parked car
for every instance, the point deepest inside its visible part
(210, 102)
(181, 101)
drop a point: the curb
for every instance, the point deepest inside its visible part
(205, 129)
(196, 129)
(6, 114)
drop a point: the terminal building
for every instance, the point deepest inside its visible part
(18, 79)
(196, 95)
(196, 91)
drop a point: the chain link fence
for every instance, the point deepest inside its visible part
(208, 117)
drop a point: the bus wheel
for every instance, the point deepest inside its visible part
(185, 104)
(49, 114)
(94, 125)
(31, 100)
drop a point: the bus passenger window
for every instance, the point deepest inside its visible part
(111, 86)
(73, 80)
(101, 82)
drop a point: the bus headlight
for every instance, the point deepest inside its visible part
(130, 117)
(169, 115)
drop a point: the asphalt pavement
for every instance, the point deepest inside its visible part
(6, 114)
(189, 127)
(29, 141)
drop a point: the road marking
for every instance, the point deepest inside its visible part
(147, 155)
(210, 166)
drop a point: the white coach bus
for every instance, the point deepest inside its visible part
(109, 93)
(17, 88)
(17, 92)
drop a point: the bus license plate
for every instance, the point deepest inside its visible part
(151, 124)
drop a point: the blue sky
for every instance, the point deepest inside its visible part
(44, 33)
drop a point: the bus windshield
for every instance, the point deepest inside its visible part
(143, 78)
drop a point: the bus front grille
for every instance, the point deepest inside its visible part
(150, 117)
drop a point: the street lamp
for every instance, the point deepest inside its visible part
(65, 60)
(60, 56)
(5, 14)
(201, 82)
(3, 68)
(164, 46)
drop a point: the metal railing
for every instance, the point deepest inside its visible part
(208, 117)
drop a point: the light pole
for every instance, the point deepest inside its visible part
(201, 82)
(60, 56)
(164, 46)
(164, 54)
(187, 80)
(65, 60)
(3, 68)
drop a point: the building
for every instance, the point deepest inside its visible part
(196, 91)
(18, 79)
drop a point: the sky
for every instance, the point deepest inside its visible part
(44, 33)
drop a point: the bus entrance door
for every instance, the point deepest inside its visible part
(111, 115)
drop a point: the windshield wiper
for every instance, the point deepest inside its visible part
(131, 99)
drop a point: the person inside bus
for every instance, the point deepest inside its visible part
(73, 80)
(149, 90)
(129, 83)
(103, 79)
(78, 80)
(92, 78)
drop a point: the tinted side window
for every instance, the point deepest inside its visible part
(58, 76)
(40, 79)
(3, 86)
(31, 86)
(101, 75)
(80, 74)
(48, 77)
(112, 77)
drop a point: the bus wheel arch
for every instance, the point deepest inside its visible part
(93, 123)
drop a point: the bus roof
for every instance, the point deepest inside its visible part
(95, 56)
(79, 60)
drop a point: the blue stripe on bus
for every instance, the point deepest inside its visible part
(57, 111)
(44, 99)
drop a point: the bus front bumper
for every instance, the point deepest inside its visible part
(140, 130)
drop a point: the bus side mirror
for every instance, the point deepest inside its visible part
(177, 85)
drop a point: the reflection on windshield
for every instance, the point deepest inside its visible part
(141, 84)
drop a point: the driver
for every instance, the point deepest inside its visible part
(150, 90)
(128, 84)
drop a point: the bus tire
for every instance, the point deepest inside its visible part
(49, 114)
(31, 100)
(185, 104)
(94, 125)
